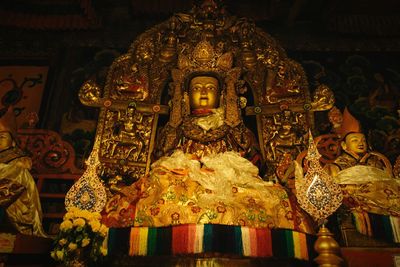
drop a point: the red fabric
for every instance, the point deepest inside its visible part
(264, 246)
(180, 239)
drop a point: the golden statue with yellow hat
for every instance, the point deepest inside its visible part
(370, 190)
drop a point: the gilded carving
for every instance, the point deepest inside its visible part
(286, 133)
(286, 83)
(254, 72)
(89, 94)
(134, 84)
(127, 133)
(323, 98)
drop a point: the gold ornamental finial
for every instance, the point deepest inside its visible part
(317, 193)
(319, 196)
(327, 249)
(88, 193)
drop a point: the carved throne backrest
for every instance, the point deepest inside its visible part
(49, 153)
(143, 89)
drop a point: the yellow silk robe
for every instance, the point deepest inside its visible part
(25, 212)
(218, 189)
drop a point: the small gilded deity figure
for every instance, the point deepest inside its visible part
(287, 136)
(127, 133)
(19, 195)
(336, 119)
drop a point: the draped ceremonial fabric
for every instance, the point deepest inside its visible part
(190, 239)
(370, 189)
(25, 212)
(219, 189)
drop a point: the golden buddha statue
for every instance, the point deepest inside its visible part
(19, 192)
(250, 67)
(202, 175)
(216, 85)
(366, 179)
(204, 130)
(354, 146)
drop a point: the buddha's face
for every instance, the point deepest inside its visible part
(203, 92)
(355, 143)
(6, 140)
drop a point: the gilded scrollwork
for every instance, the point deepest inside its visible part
(145, 51)
(323, 98)
(127, 81)
(49, 152)
(155, 71)
(286, 84)
(134, 84)
(90, 93)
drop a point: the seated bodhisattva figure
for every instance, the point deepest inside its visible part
(365, 176)
(19, 195)
(203, 174)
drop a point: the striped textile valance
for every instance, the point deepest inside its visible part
(377, 226)
(192, 239)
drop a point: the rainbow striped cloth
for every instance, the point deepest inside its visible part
(378, 226)
(203, 238)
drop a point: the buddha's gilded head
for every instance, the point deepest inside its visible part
(355, 143)
(204, 92)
